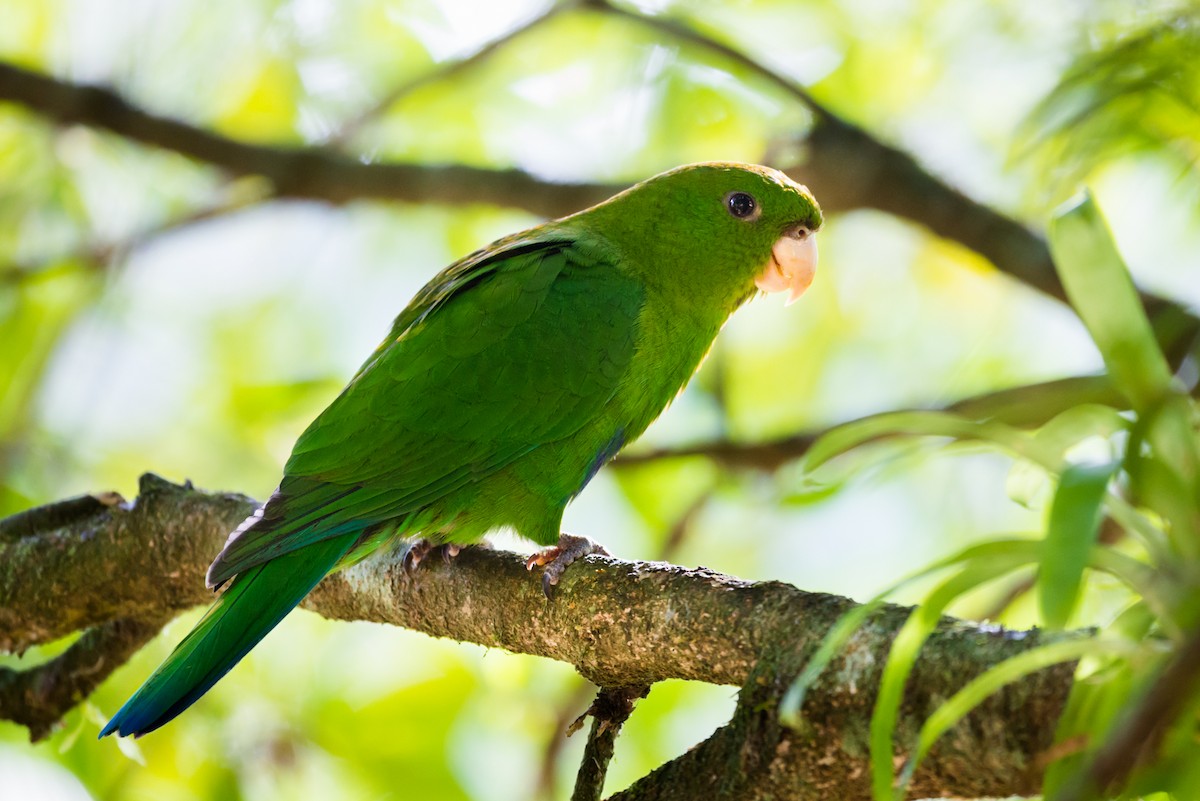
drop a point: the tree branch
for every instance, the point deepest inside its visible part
(852, 169)
(99, 255)
(38, 697)
(1026, 406)
(849, 168)
(677, 535)
(610, 710)
(676, 29)
(755, 758)
(307, 172)
(619, 623)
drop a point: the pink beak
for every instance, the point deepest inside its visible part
(793, 264)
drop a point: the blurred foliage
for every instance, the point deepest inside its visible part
(1140, 470)
(1139, 92)
(156, 315)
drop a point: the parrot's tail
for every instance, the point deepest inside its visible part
(253, 605)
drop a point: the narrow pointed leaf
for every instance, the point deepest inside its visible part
(907, 646)
(977, 691)
(1102, 293)
(841, 631)
(1075, 517)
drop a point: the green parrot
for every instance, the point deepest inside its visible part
(507, 382)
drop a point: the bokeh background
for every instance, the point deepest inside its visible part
(158, 315)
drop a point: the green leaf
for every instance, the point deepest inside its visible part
(907, 646)
(846, 437)
(1075, 517)
(1147, 532)
(1135, 90)
(1033, 404)
(1102, 687)
(979, 564)
(1166, 478)
(1020, 551)
(1071, 427)
(1102, 293)
(1143, 580)
(1058, 437)
(977, 690)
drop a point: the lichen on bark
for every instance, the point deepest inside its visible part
(120, 569)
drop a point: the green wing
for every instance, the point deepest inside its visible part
(505, 351)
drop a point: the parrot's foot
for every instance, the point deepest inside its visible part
(418, 551)
(559, 557)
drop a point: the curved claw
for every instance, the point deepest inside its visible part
(558, 558)
(418, 551)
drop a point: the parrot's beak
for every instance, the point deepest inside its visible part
(792, 266)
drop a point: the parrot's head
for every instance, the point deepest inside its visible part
(719, 230)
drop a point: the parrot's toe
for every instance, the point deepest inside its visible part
(419, 550)
(559, 557)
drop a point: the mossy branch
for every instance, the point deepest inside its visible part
(89, 564)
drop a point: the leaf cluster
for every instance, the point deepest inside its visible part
(1125, 504)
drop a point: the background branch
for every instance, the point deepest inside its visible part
(308, 172)
(619, 623)
(101, 255)
(1026, 406)
(851, 169)
(848, 167)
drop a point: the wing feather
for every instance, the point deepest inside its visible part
(504, 352)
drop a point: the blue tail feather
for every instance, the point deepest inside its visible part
(253, 605)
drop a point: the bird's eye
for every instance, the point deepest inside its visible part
(742, 205)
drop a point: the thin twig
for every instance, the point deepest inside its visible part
(678, 30)
(99, 255)
(351, 127)
(610, 710)
(676, 537)
(558, 736)
(1027, 406)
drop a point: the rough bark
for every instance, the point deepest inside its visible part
(38, 697)
(90, 563)
(120, 570)
(610, 710)
(994, 752)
